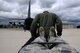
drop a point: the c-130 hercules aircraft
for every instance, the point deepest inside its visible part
(28, 20)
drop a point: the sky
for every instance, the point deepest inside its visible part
(67, 10)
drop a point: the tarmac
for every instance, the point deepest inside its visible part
(11, 40)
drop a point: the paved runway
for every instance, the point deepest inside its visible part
(11, 40)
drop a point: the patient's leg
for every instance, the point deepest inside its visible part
(42, 33)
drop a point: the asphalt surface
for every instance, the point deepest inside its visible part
(11, 40)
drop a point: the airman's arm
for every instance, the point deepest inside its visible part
(34, 26)
(58, 26)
